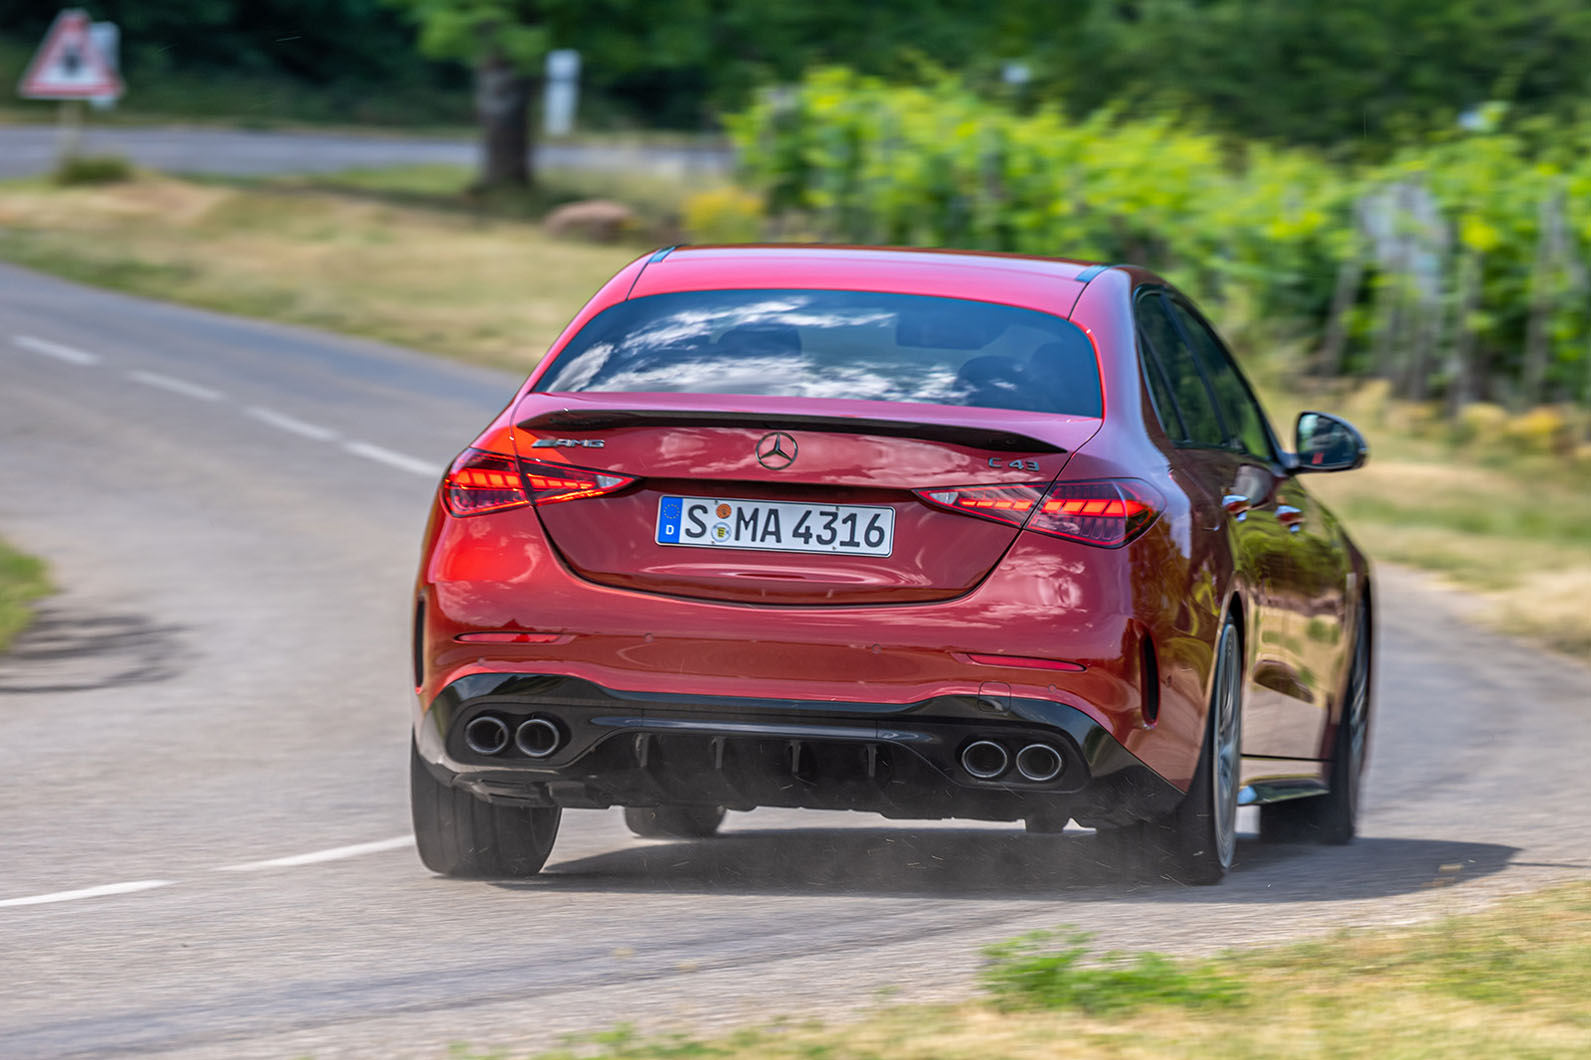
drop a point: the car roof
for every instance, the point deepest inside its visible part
(1050, 285)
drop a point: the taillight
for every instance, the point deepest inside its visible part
(1105, 512)
(481, 482)
(550, 483)
(1003, 504)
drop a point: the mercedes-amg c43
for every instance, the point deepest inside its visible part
(924, 534)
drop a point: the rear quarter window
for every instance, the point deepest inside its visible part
(834, 344)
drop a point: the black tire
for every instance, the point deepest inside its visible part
(1333, 818)
(674, 822)
(1197, 842)
(461, 835)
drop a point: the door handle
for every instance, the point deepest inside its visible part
(1290, 517)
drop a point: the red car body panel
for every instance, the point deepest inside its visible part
(624, 613)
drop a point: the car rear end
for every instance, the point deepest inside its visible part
(812, 546)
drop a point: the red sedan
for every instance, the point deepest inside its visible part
(920, 533)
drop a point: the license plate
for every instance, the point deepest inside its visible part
(776, 526)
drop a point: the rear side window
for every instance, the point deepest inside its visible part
(1238, 407)
(1200, 424)
(834, 344)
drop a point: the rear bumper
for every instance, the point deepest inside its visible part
(899, 760)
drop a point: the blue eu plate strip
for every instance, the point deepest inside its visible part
(668, 518)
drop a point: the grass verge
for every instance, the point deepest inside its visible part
(22, 581)
(1507, 982)
(408, 256)
(483, 288)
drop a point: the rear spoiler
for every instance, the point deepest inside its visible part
(954, 433)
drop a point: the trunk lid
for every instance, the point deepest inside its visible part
(705, 448)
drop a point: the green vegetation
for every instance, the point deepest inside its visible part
(1355, 75)
(1056, 970)
(256, 63)
(22, 580)
(1507, 982)
(92, 169)
(1455, 270)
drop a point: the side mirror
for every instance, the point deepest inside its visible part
(1326, 443)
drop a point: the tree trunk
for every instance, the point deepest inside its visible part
(502, 101)
(1329, 359)
(1461, 368)
(1545, 294)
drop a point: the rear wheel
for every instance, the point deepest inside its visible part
(1334, 817)
(461, 835)
(1197, 842)
(673, 822)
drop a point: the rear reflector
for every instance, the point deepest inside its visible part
(1105, 512)
(509, 637)
(481, 482)
(1027, 662)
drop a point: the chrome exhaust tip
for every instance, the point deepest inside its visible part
(486, 735)
(1039, 762)
(538, 737)
(984, 759)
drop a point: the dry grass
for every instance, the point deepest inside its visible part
(1495, 515)
(1517, 536)
(1508, 982)
(487, 290)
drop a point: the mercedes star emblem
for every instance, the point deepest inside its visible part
(776, 451)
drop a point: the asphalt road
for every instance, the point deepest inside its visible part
(29, 150)
(203, 843)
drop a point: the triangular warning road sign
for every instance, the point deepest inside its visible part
(68, 65)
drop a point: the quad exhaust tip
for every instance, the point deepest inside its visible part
(486, 735)
(984, 759)
(538, 737)
(1039, 762)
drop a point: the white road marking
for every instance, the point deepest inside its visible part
(315, 857)
(175, 385)
(282, 421)
(69, 354)
(87, 892)
(401, 461)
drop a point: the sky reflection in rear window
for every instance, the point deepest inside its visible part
(834, 344)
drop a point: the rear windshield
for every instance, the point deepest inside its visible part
(834, 344)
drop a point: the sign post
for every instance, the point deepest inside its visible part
(71, 66)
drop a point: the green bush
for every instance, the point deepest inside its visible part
(1264, 236)
(92, 169)
(722, 215)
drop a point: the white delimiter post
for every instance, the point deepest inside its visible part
(563, 91)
